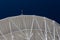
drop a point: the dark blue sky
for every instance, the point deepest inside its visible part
(47, 8)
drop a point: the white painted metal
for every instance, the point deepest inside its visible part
(29, 27)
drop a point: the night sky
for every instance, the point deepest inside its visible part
(47, 8)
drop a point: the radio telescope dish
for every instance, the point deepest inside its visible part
(29, 27)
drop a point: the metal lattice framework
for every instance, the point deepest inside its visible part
(29, 27)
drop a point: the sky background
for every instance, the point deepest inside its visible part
(47, 8)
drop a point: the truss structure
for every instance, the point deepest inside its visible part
(29, 27)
